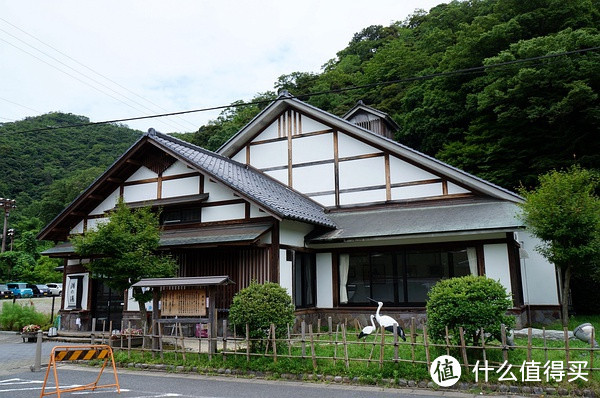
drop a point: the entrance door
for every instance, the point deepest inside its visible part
(107, 306)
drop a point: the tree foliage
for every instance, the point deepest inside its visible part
(564, 212)
(471, 302)
(124, 250)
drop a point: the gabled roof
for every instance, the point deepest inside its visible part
(265, 192)
(361, 107)
(285, 101)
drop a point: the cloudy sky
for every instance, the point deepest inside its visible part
(115, 59)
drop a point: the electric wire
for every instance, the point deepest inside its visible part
(475, 69)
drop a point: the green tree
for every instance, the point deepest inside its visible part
(564, 212)
(124, 251)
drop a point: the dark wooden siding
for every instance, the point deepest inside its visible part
(242, 265)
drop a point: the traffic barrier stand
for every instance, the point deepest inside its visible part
(80, 353)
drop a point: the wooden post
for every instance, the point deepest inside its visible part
(155, 299)
(182, 342)
(395, 329)
(447, 338)
(247, 343)
(129, 339)
(545, 344)
(267, 341)
(224, 340)
(160, 342)
(93, 335)
(413, 338)
(329, 327)
(318, 327)
(274, 343)
(212, 316)
(592, 343)
(463, 348)
(210, 342)
(381, 349)
(345, 347)
(336, 344)
(312, 347)
(504, 346)
(529, 344)
(289, 340)
(303, 338)
(483, 345)
(104, 330)
(426, 342)
(110, 333)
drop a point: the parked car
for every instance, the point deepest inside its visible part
(39, 290)
(55, 289)
(20, 289)
(5, 292)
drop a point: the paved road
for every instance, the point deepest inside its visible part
(15, 355)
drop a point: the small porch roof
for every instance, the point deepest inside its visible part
(187, 281)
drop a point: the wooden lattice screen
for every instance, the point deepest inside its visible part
(183, 302)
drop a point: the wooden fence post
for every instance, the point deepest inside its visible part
(463, 348)
(504, 346)
(224, 339)
(182, 342)
(413, 338)
(382, 348)
(303, 338)
(312, 347)
(274, 343)
(329, 327)
(247, 343)
(395, 329)
(345, 347)
(425, 340)
(337, 328)
(447, 338)
(567, 353)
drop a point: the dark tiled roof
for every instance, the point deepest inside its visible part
(478, 215)
(255, 186)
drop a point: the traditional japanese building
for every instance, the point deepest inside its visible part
(322, 205)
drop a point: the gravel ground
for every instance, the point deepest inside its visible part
(42, 304)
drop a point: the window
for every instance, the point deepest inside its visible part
(304, 280)
(177, 216)
(400, 277)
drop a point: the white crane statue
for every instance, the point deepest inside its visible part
(387, 321)
(367, 330)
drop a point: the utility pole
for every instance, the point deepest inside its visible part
(11, 236)
(7, 205)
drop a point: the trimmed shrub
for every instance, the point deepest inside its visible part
(259, 305)
(473, 302)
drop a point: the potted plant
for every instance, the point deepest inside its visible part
(29, 332)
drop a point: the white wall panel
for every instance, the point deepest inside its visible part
(107, 203)
(256, 212)
(279, 175)
(401, 171)
(177, 168)
(240, 156)
(292, 233)
(181, 187)
(78, 229)
(312, 148)
(140, 192)
(310, 125)
(455, 189)
(271, 154)
(222, 213)
(286, 279)
(539, 276)
(348, 146)
(142, 173)
(324, 200)
(217, 192)
(362, 173)
(417, 191)
(351, 198)
(324, 280)
(496, 264)
(92, 223)
(268, 133)
(315, 178)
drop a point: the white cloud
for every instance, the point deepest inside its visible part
(179, 55)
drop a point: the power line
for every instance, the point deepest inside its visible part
(475, 69)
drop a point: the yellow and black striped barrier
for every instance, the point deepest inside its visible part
(80, 353)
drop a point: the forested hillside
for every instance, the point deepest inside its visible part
(507, 124)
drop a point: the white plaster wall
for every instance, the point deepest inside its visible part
(324, 280)
(269, 133)
(362, 173)
(315, 178)
(107, 203)
(454, 189)
(240, 156)
(222, 213)
(133, 305)
(310, 125)
(324, 200)
(217, 192)
(78, 229)
(348, 146)
(92, 223)
(177, 168)
(292, 232)
(271, 154)
(496, 264)
(539, 276)
(417, 191)
(401, 171)
(140, 192)
(181, 187)
(256, 212)
(312, 148)
(142, 173)
(279, 175)
(285, 273)
(349, 198)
